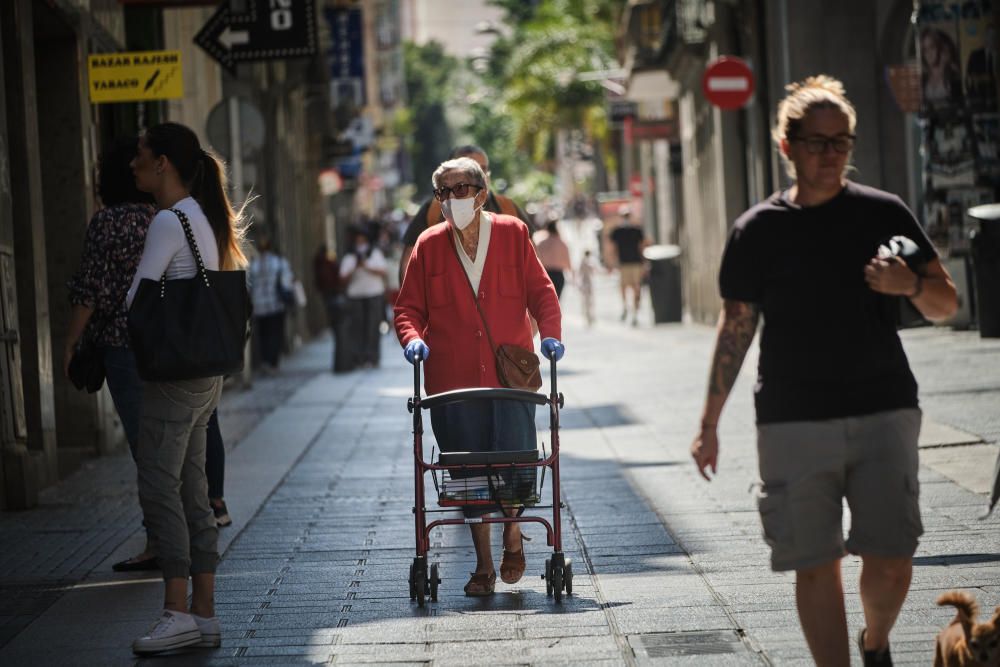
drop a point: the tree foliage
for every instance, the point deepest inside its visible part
(558, 41)
(533, 83)
(513, 102)
(429, 72)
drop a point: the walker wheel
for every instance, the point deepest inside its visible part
(434, 581)
(548, 577)
(557, 582)
(568, 577)
(418, 580)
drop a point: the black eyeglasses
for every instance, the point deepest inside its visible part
(816, 144)
(460, 190)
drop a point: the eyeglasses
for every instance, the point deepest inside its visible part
(460, 190)
(842, 143)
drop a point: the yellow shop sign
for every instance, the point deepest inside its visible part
(135, 76)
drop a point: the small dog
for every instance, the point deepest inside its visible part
(963, 642)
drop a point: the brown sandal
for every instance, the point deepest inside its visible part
(481, 585)
(512, 564)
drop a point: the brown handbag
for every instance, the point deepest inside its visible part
(517, 368)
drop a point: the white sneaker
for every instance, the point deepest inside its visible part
(172, 630)
(211, 631)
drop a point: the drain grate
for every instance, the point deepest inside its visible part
(673, 644)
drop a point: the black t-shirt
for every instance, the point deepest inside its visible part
(828, 347)
(628, 240)
(419, 222)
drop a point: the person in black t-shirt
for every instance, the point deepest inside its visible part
(430, 213)
(628, 241)
(837, 411)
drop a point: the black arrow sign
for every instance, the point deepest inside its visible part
(268, 30)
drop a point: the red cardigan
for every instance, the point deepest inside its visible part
(436, 304)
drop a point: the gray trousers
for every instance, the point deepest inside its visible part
(173, 489)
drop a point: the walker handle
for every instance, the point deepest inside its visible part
(416, 377)
(552, 376)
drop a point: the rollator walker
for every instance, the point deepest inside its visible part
(506, 478)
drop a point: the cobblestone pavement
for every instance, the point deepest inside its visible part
(94, 512)
(669, 569)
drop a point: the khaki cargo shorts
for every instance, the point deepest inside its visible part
(631, 275)
(808, 468)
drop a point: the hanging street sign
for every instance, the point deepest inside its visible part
(266, 30)
(346, 56)
(728, 83)
(136, 76)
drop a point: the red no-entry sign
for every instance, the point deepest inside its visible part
(727, 83)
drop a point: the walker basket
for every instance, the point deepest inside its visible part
(489, 478)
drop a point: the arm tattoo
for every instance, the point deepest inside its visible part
(736, 331)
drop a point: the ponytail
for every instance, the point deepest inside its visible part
(209, 189)
(203, 174)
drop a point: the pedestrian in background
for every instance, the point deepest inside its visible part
(326, 276)
(271, 289)
(837, 409)
(112, 248)
(388, 243)
(437, 303)
(554, 255)
(173, 488)
(431, 214)
(628, 241)
(585, 283)
(363, 271)
(215, 471)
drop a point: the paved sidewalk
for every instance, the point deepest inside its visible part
(669, 569)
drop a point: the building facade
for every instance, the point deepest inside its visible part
(50, 138)
(727, 160)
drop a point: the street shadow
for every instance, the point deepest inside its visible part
(592, 416)
(521, 601)
(653, 464)
(956, 559)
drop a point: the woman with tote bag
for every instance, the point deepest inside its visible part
(195, 234)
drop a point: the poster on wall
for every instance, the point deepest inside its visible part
(960, 200)
(986, 136)
(940, 60)
(956, 45)
(977, 39)
(951, 160)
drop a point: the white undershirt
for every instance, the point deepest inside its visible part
(363, 284)
(474, 269)
(167, 251)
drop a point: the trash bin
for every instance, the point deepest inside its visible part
(664, 282)
(985, 243)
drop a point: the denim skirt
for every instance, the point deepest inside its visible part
(484, 426)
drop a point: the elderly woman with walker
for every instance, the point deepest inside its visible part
(469, 288)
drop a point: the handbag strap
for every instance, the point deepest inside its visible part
(475, 299)
(192, 245)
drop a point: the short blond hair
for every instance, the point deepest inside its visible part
(814, 92)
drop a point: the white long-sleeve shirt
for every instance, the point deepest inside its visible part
(167, 251)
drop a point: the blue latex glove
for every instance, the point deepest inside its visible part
(416, 349)
(552, 347)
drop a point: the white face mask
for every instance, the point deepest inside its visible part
(460, 212)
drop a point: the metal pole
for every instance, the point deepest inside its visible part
(236, 167)
(786, 67)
